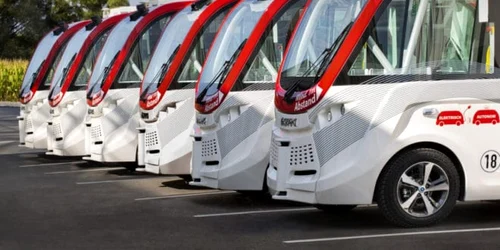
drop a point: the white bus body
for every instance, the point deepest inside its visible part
(401, 111)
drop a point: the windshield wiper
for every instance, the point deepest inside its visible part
(323, 59)
(222, 73)
(33, 78)
(65, 70)
(160, 75)
(62, 77)
(331, 50)
(100, 80)
(166, 65)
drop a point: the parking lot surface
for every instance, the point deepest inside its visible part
(65, 203)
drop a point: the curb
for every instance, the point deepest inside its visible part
(10, 104)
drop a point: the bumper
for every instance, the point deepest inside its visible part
(294, 169)
(288, 193)
(243, 167)
(106, 142)
(68, 139)
(35, 132)
(166, 151)
(347, 179)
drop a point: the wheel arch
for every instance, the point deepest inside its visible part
(433, 145)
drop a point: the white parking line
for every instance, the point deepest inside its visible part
(52, 164)
(182, 195)
(96, 182)
(394, 235)
(85, 170)
(25, 153)
(113, 181)
(256, 212)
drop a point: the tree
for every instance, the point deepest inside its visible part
(25, 22)
(117, 3)
(66, 11)
(92, 7)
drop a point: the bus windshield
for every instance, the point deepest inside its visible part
(231, 39)
(263, 70)
(67, 59)
(110, 51)
(319, 35)
(168, 46)
(85, 70)
(37, 61)
(396, 42)
(137, 61)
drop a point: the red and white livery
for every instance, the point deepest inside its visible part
(35, 108)
(66, 128)
(234, 97)
(113, 89)
(388, 102)
(167, 92)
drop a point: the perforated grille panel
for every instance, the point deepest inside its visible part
(96, 132)
(301, 155)
(57, 130)
(29, 124)
(208, 148)
(151, 139)
(274, 153)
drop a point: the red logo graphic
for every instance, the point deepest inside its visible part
(153, 99)
(212, 102)
(97, 98)
(453, 117)
(486, 116)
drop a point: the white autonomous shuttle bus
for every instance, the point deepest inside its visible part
(234, 97)
(167, 92)
(34, 113)
(113, 89)
(393, 102)
(66, 130)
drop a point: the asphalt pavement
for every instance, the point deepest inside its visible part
(65, 203)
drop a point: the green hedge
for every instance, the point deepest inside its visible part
(11, 78)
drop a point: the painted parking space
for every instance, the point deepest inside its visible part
(44, 199)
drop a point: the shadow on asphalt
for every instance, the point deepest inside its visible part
(181, 184)
(243, 201)
(474, 215)
(126, 172)
(358, 218)
(57, 158)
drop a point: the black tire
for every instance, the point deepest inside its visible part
(387, 193)
(341, 209)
